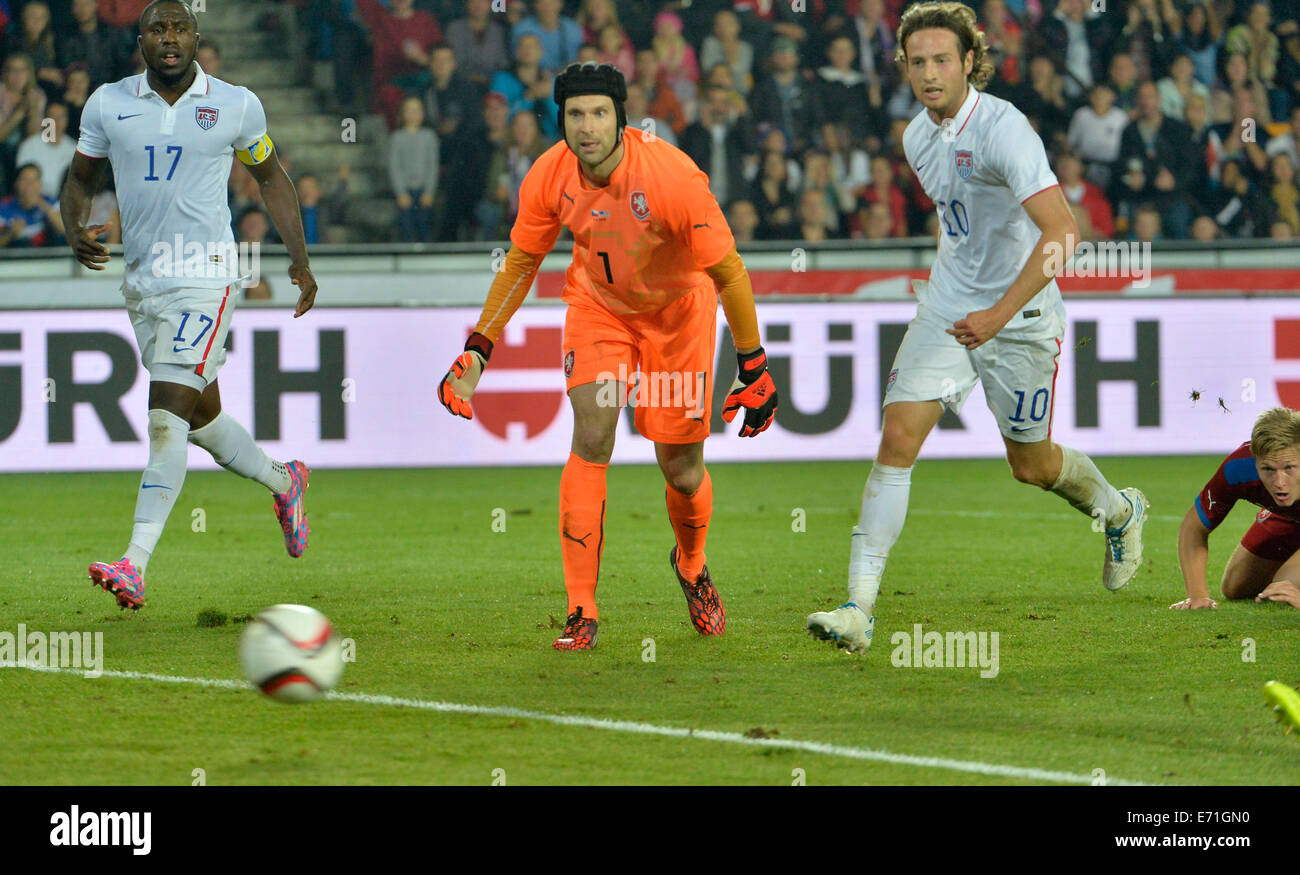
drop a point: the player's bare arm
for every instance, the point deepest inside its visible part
(1058, 234)
(282, 203)
(84, 179)
(1193, 557)
(508, 291)
(1283, 591)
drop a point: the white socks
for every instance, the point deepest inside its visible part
(160, 486)
(233, 448)
(1086, 489)
(884, 509)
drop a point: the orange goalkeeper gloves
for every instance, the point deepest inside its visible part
(457, 387)
(754, 391)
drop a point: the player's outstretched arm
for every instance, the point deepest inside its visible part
(753, 389)
(508, 291)
(84, 178)
(1057, 237)
(1283, 591)
(281, 200)
(1193, 557)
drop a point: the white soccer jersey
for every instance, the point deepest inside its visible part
(978, 169)
(171, 165)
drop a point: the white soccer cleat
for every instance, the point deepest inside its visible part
(848, 626)
(1124, 544)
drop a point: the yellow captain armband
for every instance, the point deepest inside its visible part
(258, 152)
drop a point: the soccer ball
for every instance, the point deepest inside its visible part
(291, 653)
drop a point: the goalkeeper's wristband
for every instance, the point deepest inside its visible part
(479, 344)
(752, 365)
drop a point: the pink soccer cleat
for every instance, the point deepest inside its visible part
(290, 512)
(122, 579)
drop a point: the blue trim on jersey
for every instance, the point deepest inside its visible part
(1241, 471)
(1205, 521)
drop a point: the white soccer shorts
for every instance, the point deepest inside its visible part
(182, 333)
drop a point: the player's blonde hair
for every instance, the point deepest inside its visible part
(956, 17)
(1275, 430)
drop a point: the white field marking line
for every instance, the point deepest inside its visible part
(817, 747)
(991, 514)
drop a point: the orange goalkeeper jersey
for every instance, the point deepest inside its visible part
(639, 242)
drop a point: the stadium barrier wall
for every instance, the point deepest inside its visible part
(355, 387)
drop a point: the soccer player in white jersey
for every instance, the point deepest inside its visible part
(170, 133)
(991, 311)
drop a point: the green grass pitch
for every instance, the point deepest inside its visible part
(444, 608)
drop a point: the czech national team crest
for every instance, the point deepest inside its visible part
(206, 116)
(640, 206)
(568, 364)
(965, 163)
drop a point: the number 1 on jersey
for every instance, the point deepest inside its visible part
(609, 277)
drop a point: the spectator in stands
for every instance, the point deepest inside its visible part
(22, 106)
(253, 227)
(34, 37)
(873, 37)
(678, 68)
(819, 176)
(842, 93)
(724, 46)
(1178, 86)
(873, 221)
(813, 217)
(850, 164)
(614, 48)
(719, 143)
(663, 102)
(559, 36)
(52, 153)
(1146, 224)
(334, 35)
(1075, 43)
(400, 40)
(209, 58)
(883, 190)
(478, 42)
(1288, 143)
(638, 116)
(1258, 45)
(1042, 100)
(27, 217)
(1095, 131)
(1245, 137)
(773, 197)
(75, 94)
(1283, 196)
(526, 146)
(743, 219)
(490, 177)
(595, 16)
(1288, 66)
(1204, 229)
(1123, 82)
(102, 48)
(1236, 76)
(786, 98)
(313, 214)
(1238, 207)
(122, 13)
(528, 86)
(1079, 191)
(1206, 149)
(720, 76)
(1003, 37)
(413, 172)
(1201, 34)
(588, 54)
(1154, 164)
(772, 139)
(450, 101)
(1149, 37)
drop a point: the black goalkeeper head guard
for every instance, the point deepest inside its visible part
(592, 78)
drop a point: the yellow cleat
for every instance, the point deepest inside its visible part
(1286, 704)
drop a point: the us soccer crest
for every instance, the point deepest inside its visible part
(206, 116)
(965, 163)
(640, 206)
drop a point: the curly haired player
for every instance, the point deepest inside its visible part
(652, 253)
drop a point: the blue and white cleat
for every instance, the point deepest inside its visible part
(848, 626)
(1124, 543)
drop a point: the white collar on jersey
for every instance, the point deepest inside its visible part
(963, 115)
(198, 88)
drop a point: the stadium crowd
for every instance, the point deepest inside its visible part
(1164, 119)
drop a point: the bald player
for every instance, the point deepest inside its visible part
(169, 134)
(652, 253)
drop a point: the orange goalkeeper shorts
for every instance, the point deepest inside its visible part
(660, 362)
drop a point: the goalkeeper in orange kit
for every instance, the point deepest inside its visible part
(652, 253)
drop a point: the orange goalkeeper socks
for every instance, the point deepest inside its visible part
(690, 516)
(582, 530)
